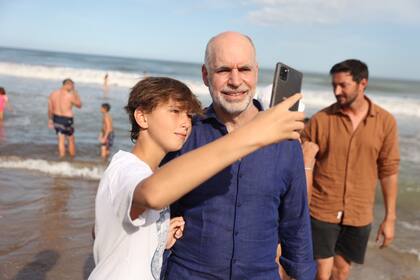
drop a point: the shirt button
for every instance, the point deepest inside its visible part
(238, 204)
(234, 261)
(236, 232)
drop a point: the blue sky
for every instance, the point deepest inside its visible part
(311, 35)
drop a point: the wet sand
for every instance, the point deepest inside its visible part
(386, 264)
(46, 227)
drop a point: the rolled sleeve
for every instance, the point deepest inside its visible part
(389, 155)
(294, 225)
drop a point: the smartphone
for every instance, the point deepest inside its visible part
(287, 81)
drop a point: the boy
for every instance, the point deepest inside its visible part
(106, 138)
(132, 214)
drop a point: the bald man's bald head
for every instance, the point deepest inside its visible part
(227, 37)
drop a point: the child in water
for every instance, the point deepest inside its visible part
(106, 138)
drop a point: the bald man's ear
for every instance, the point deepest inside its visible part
(205, 75)
(141, 118)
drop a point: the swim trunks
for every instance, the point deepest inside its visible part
(63, 125)
(109, 140)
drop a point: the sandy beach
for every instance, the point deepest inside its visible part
(46, 226)
(382, 265)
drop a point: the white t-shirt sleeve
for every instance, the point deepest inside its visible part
(130, 175)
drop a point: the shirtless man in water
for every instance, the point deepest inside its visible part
(60, 115)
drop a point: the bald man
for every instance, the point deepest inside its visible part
(60, 116)
(236, 219)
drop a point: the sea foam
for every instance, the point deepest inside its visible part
(66, 169)
(322, 98)
(408, 106)
(83, 75)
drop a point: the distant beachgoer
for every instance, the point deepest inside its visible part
(106, 138)
(60, 115)
(132, 225)
(106, 85)
(4, 103)
(358, 142)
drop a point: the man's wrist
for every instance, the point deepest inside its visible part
(391, 218)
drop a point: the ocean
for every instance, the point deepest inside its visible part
(46, 205)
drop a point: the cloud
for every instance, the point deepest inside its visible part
(327, 12)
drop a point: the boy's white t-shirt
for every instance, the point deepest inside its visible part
(124, 248)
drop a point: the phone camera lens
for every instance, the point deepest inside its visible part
(284, 73)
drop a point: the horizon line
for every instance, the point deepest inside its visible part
(187, 62)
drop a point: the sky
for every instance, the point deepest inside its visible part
(310, 35)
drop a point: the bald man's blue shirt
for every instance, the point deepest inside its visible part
(234, 221)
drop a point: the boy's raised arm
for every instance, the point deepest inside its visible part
(172, 181)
